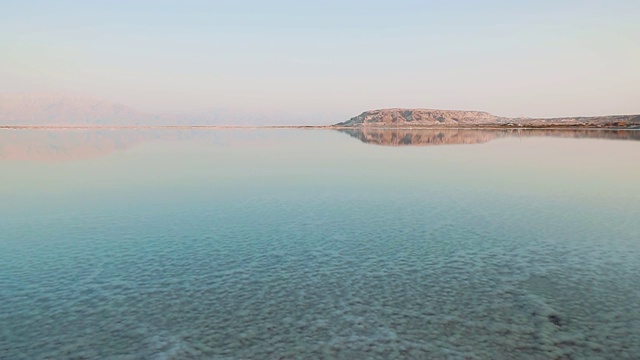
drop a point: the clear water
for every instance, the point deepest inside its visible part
(267, 244)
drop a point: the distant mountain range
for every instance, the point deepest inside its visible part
(408, 118)
(63, 110)
(45, 109)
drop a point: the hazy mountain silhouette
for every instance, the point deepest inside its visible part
(63, 110)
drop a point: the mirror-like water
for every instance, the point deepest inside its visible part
(245, 244)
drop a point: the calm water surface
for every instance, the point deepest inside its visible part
(266, 244)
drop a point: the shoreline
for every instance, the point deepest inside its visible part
(307, 127)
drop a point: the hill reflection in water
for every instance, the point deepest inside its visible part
(80, 144)
(69, 145)
(433, 137)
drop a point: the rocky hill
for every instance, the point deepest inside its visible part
(407, 118)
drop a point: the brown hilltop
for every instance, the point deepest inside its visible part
(407, 118)
(419, 117)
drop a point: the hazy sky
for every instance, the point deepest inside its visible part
(533, 58)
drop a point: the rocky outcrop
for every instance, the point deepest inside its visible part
(408, 118)
(419, 117)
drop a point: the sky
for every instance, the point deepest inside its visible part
(511, 58)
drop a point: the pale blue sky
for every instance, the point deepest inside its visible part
(532, 58)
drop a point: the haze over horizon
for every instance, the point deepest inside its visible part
(332, 59)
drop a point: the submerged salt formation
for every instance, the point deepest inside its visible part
(465, 283)
(210, 251)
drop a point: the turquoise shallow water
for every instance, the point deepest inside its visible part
(316, 244)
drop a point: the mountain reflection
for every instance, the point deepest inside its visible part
(67, 145)
(80, 144)
(433, 137)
